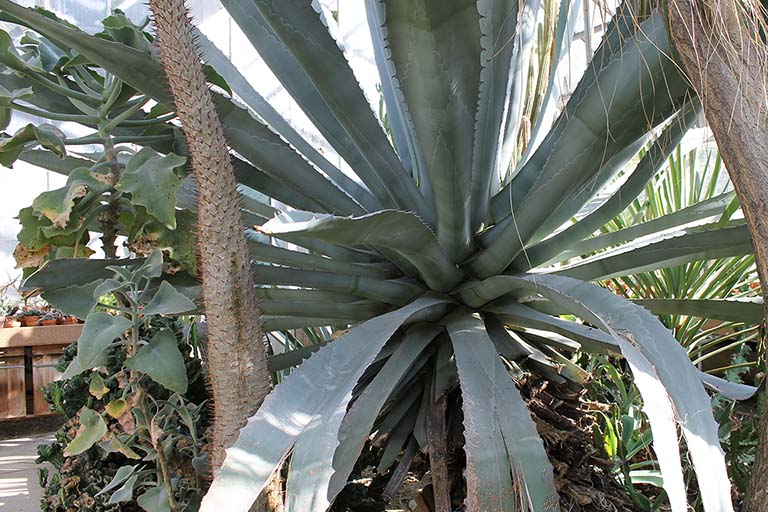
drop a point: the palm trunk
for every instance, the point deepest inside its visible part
(237, 367)
(726, 64)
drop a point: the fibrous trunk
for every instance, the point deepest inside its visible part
(720, 49)
(236, 358)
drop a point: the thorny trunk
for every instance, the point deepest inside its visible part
(236, 358)
(725, 61)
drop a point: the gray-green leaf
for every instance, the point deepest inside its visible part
(168, 301)
(162, 361)
(99, 331)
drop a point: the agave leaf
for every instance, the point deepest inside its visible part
(399, 117)
(351, 310)
(396, 292)
(518, 86)
(441, 90)
(514, 313)
(296, 45)
(326, 453)
(272, 118)
(732, 390)
(280, 421)
(641, 333)
(498, 25)
(648, 166)
(629, 68)
(729, 310)
(255, 179)
(566, 22)
(666, 250)
(268, 152)
(283, 323)
(709, 209)
(393, 230)
(400, 435)
(496, 416)
(658, 408)
(266, 253)
(304, 295)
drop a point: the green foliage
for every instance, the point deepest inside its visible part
(446, 260)
(138, 418)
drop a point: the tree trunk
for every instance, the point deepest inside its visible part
(726, 64)
(236, 358)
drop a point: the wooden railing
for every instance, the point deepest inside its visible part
(27, 359)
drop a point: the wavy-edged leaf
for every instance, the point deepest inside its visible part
(152, 182)
(162, 361)
(441, 90)
(390, 230)
(246, 135)
(99, 331)
(666, 250)
(293, 407)
(44, 135)
(296, 45)
(639, 332)
(57, 204)
(168, 301)
(77, 300)
(496, 416)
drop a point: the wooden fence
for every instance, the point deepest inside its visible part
(27, 359)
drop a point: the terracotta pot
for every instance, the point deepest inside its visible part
(50, 322)
(70, 320)
(30, 321)
(11, 322)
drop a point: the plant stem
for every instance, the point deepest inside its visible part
(109, 217)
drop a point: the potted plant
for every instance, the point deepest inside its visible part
(7, 311)
(49, 318)
(30, 317)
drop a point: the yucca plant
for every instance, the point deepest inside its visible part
(442, 253)
(693, 179)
